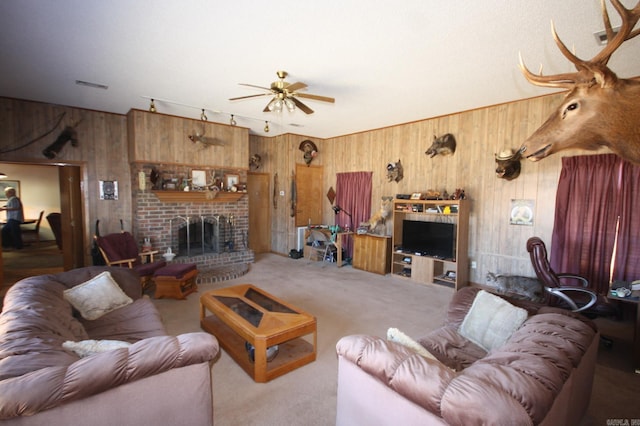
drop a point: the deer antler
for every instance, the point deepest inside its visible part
(594, 70)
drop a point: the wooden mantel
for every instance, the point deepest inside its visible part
(197, 197)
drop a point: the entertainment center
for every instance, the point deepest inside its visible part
(430, 241)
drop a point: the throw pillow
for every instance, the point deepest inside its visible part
(97, 297)
(491, 320)
(395, 335)
(90, 347)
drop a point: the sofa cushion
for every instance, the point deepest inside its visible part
(86, 348)
(395, 335)
(96, 297)
(491, 321)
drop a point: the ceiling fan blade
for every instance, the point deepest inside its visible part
(249, 96)
(296, 86)
(253, 85)
(302, 106)
(315, 97)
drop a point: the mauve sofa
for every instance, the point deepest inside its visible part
(158, 380)
(542, 375)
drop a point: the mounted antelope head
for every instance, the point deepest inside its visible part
(600, 108)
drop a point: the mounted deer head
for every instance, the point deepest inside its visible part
(600, 108)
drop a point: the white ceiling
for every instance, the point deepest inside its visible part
(385, 62)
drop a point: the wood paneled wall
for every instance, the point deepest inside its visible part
(101, 152)
(494, 244)
(161, 138)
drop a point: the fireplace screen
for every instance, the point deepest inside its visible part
(206, 234)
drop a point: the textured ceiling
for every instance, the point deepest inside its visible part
(384, 62)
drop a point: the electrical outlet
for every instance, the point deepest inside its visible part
(474, 265)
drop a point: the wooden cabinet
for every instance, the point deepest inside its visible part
(372, 253)
(422, 268)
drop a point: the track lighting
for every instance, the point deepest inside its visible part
(232, 121)
(152, 106)
(4, 176)
(266, 127)
(203, 116)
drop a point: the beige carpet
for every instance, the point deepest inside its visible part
(348, 301)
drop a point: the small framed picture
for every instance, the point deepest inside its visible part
(108, 189)
(198, 178)
(232, 180)
(416, 196)
(4, 184)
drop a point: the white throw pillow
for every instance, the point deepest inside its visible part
(97, 297)
(491, 320)
(89, 347)
(395, 335)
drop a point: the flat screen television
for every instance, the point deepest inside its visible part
(434, 239)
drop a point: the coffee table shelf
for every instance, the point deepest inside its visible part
(291, 355)
(245, 313)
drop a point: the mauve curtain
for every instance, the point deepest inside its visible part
(585, 218)
(353, 194)
(627, 263)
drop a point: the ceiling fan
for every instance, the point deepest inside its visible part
(285, 95)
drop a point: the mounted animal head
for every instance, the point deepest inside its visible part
(255, 161)
(444, 145)
(68, 134)
(395, 172)
(600, 108)
(206, 141)
(508, 164)
(310, 151)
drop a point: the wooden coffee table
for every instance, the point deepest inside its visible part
(246, 313)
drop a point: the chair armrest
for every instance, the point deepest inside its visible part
(585, 282)
(149, 254)
(129, 262)
(560, 293)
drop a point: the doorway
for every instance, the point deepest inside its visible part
(51, 188)
(308, 195)
(259, 212)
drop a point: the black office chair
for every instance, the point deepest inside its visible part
(562, 290)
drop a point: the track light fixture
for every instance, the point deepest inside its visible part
(3, 175)
(203, 112)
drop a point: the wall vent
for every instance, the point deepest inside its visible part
(601, 36)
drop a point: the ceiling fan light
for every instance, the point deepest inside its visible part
(277, 105)
(290, 105)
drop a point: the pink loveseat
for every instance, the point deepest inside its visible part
(542, 375)
(157, 380)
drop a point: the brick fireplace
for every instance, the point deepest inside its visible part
(217, 227)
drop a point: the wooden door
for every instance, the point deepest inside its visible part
(309, 195)
(71, 217)
(259, 212)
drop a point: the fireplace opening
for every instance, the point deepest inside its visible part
(206, 234)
